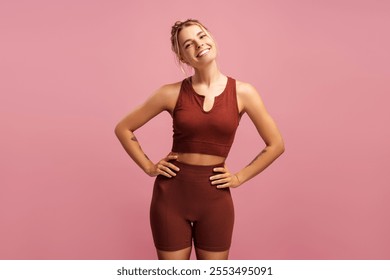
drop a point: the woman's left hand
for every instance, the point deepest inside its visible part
(225, 179)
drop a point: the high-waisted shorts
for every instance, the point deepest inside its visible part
(187, 207)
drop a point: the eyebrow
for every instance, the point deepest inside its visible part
(197, 34)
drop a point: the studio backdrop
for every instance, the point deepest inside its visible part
(70, 70)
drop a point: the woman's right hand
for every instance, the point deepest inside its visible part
(164, 167)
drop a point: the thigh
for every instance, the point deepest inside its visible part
(214, 229)
(171, 230)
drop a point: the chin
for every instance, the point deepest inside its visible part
(207, 59)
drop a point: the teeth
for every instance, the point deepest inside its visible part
(203, 52)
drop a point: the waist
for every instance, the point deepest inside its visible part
(199, 159)
(190, 174)
(200, 149)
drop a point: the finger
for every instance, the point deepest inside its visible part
(219, 176)
(163, 173)
(219, 169)
(166, 170)
(223, 178)
(227, 185)
(169, 171)
(172, 166)
(165, 165)
(171, 156)
(221, 181)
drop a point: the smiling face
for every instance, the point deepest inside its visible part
(196, 46)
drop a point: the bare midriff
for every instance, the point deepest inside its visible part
(199, 159)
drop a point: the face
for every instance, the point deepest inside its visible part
(196, 46)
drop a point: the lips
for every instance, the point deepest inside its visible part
(202, 52)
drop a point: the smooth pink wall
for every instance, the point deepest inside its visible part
(70, 70)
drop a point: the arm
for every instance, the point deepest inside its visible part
(163, 99)
(251, 103)
(267, 129)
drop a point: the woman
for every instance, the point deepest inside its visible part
(191, 196)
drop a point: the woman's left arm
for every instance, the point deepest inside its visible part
(251, 103)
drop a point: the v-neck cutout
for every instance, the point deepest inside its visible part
(203, 97)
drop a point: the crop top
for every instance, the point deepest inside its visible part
(206, 132)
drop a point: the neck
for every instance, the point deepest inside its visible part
(207, 74)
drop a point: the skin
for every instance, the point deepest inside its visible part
(210, 82)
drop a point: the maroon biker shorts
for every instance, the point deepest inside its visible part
(187, 207)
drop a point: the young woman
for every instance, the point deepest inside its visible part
(191, 196)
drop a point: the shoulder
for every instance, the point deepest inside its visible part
(168, 90)
(246, 92)
(248, 97)
(245, 89)
(168, 94)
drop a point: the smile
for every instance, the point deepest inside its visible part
(203, 52)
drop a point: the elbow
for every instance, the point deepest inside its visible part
(278, 147)
(118, 130)
(281, 147)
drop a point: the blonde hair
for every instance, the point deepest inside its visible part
(176, 28)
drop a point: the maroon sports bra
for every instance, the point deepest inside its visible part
(206, 132)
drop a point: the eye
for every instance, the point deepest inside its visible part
(187, 45)
(202, 36)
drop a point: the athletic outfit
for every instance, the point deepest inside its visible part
(187, 206)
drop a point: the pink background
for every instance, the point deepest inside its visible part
(70, 70)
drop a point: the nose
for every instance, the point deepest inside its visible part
(199, 45)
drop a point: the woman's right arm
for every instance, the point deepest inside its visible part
(163, 99)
